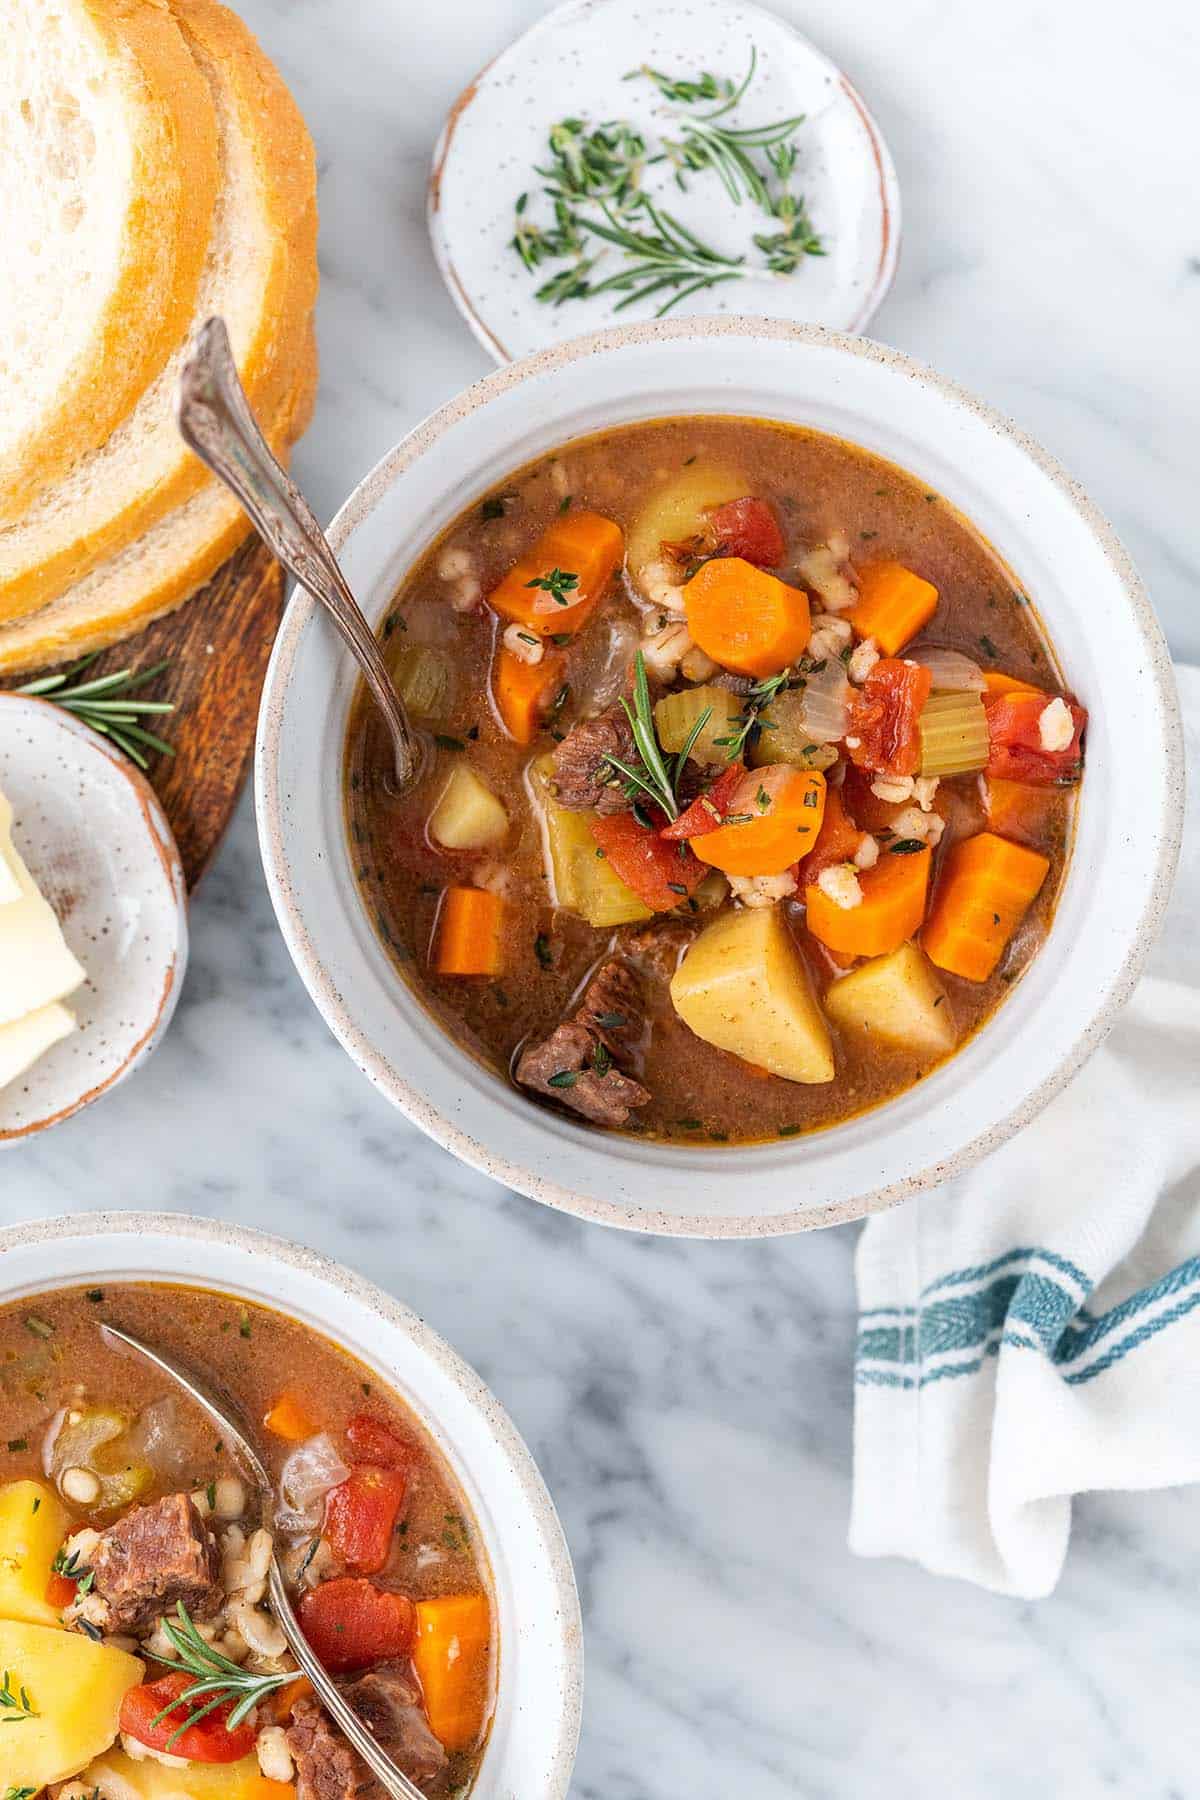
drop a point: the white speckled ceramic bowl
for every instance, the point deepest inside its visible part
(1062, 552)
(531, 1749)
(98, 844)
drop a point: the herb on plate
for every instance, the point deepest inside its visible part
(109, 704)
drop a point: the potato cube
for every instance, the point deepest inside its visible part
(118, 1774)
(33, 1524)
(468, 815)
(897, 1000)
(72, 1689)
(744, 987)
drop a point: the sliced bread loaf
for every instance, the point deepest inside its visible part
(108, 176)
(260, 275)
(158, 571)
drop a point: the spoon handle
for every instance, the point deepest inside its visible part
(216, 422)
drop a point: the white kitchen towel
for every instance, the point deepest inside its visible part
(1032, 1331)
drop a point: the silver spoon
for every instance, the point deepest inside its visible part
(216, 422)
(394, 1780)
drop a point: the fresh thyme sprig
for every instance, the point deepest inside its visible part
(658, 775)
(19, 1793)
(217, 1679)
(559, 584)
(749, 721)
(108, 704)
(683, 91)
(71, 1569)
(15, 1704)
(786, 249)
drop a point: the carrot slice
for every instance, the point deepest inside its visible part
(775, 817)
(996, 683)
(891, 911)
(468, 933)
(583, 545)
(288, 1419)
(893, 605)
(1017, 810)
(745, 619)
(522, 692)
(450, 1656)
(987, 887)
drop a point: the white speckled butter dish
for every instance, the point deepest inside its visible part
(575, 62)
(99, 847)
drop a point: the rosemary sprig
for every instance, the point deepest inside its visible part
(15, 1704)
(108, 704)
(667, 256)
(594, 179)
(658, 775)
(217, 1679)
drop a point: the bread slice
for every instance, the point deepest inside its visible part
(108, 176)
(260, 275)
(160, 570)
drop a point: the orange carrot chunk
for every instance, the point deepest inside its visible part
(468, 933)
(893, 605)
(838, 840)
(523, 692)
(745, 619)
(1017, 810)
(450, 1656)
(987, 887)
(774, 818)
(890, 912)
(288, 1419)
(996, 683)
(555, 586)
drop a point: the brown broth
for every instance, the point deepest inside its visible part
(816, 485)
(52, 1355)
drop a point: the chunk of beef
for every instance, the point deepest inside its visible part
(153, 1558)
(326, 1767)
(656, 948)
(583, 781)
(575, 1063)
(389, 1705)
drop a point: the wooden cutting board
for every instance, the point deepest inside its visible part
(217, 646)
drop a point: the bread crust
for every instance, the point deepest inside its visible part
(42, 556)
(166, 240)
(75, 625)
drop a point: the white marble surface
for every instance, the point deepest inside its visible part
(690, 1404)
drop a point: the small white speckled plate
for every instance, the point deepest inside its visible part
(574, 63)
(96, 842)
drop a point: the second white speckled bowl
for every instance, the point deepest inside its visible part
(1061, 550)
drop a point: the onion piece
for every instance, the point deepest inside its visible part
(312, 1469)
(953, 673)
(155, 1437)
(825, 697)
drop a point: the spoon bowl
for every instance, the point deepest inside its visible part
(393, 1779)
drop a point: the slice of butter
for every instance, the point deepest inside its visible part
(36, 966)
(22, 1042)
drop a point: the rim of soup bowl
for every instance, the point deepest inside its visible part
(527, 1542)
(880, 1189)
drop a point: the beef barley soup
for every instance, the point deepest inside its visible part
(750, 781)
(133, 1563)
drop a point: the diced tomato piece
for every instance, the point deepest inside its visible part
(208, 1741)
(376, 1443)
(360, 1517)
(60, 1591)
(660, 872)
(351, 1624)
(1016, 752)
(882, 734)
(837, 841)
(708, 812)
(749, 529)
